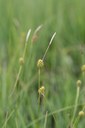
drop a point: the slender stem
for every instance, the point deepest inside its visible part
(49, 108)
(39, 84)
(76, 122)
(83, 75)
(25, 48)
(20, 68)
(39, 78)
(19, 72)
(45, 120)
(16, 123)
(7, 118)
(76, 102)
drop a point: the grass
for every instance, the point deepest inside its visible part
(62, 63)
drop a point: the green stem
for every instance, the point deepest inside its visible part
(39, 84)
(20, 68)
(25, 48)
(76, 122)
(39, 78)
(49, 108)
(45, 120)
(18, 75)
(7, 119)
(51, 113)
(76, 102)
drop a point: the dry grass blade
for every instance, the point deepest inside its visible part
(49, 45)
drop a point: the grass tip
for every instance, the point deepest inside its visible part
(28, 34)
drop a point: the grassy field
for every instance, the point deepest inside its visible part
(22, 103)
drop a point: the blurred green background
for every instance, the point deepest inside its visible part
(62, 63)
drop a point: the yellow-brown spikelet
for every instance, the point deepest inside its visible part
(41, 90)
(40, 63)
(81, 113)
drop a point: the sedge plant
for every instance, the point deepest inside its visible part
(78, 83)
(21, 61)
(41, 89)
(40, 65)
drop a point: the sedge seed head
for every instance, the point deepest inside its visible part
(21, 60)
(83, 68)
(78, 83)
(81, 113)
(40, 63)
(41, 90)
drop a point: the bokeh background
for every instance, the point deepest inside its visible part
(62, 67)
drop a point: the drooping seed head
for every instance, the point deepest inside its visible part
(40, 63)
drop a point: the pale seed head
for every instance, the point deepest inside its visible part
(78, 83)
(21, 60)
(81, 113)
(83, 68)
(41, 90)
(40, 63)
